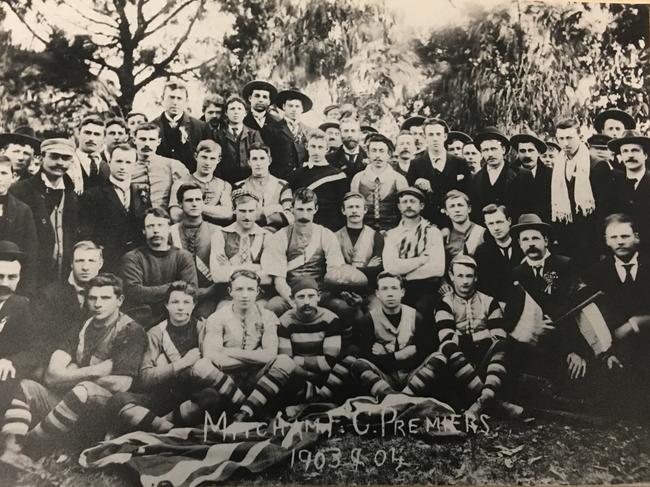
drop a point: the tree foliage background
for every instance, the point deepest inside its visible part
(524, 63)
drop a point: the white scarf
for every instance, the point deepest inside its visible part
(583, 195)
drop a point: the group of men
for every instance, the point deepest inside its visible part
(153, 271)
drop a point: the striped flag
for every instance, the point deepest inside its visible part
(188, 457)
(527, 316)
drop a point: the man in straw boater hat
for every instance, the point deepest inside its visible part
(20, 147)
(631, 189)
(51, 196)
(496, 182)
(547, 286)
(528, 149)
(332, 113)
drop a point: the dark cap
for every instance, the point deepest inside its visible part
(304, 283)
(413, 192)
(599, 141)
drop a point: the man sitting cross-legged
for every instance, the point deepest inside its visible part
(394, 341)
(471, 336)
(183, 371)
(318, 341)
(101, 359)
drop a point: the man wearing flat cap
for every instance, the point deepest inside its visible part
(20, 147)
(528, 147)
(436, 171)
(632, 188)
(552, 282)
(51, 196)
(496, 182)
(613, 122)
(379, 184)
(333, 132)
(319, 343)
(332, 113)
(414, 249)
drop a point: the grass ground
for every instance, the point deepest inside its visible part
(535, 452)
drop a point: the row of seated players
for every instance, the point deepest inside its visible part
(245, 361)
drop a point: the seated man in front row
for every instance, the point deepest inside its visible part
(102, 359)
(192, 366)
(472, 338)
(393, 342)
(319, 343)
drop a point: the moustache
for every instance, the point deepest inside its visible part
(527, 159)
(303, 220)
(4, 290)
(306, 307)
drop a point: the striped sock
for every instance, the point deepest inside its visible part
(18, 417)
(496, 370)
(268, 387)
(62, 418)
(370, 379)
(426, 375)
(138, 418)
(338, 375)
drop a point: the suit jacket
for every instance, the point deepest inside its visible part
(234, 153)
(286, 154)
(32, 192)
(494, 269)
(20, 339)
(20, 228)
(171, 143)
(621, 301)
(514, 189)
(455, 175)
(634, 202)
(556, 292)
(339, 159)
(104, 220)
(541, 195)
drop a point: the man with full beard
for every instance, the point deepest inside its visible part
(148, 270)
(350, 157)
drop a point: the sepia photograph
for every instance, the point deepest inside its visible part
(324, 242)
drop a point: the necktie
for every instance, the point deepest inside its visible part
(537, 271)
(632, 182)
(94, 168)
(628, 274)
(244, 249)
(351, 158)
(235, 133)
(571, 165)
(376, 198)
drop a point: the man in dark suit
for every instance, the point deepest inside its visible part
(498, 255)
(624, 278)
(17, 225)
(603, 172)
(350, 158)
(51, 196)
(111, 215)
(179, 132)
(293, 104)
(497, 182)
(89, 169)
(632, 188)
(528, 148)
(435, 171)
(553, 283)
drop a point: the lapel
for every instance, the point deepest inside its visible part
(10, 211)
(111, 194)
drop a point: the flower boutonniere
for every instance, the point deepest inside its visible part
(365, 161)
(184, 135)
(550, 278)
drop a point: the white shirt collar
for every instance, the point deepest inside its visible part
(176, 120)
(620, 269)
(124, 186)
(537, 263)
(438, 162)
(494, 172)
(355, 152)
(48, 184)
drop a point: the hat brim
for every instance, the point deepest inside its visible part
(419, 196)
(478, 138)
(615, 145)
(259, 85)
(455, 135)
(539, 144)
(616, 114)
(516, 229)
(285, 95)
(13, 255)
(412, 122)
(20, 139)
(328, 125)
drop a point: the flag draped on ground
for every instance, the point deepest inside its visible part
(188, 457)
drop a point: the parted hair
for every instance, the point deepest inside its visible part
(616, 218)
(389, 275)
(107, 279)
(184, 188)
(245, 273)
